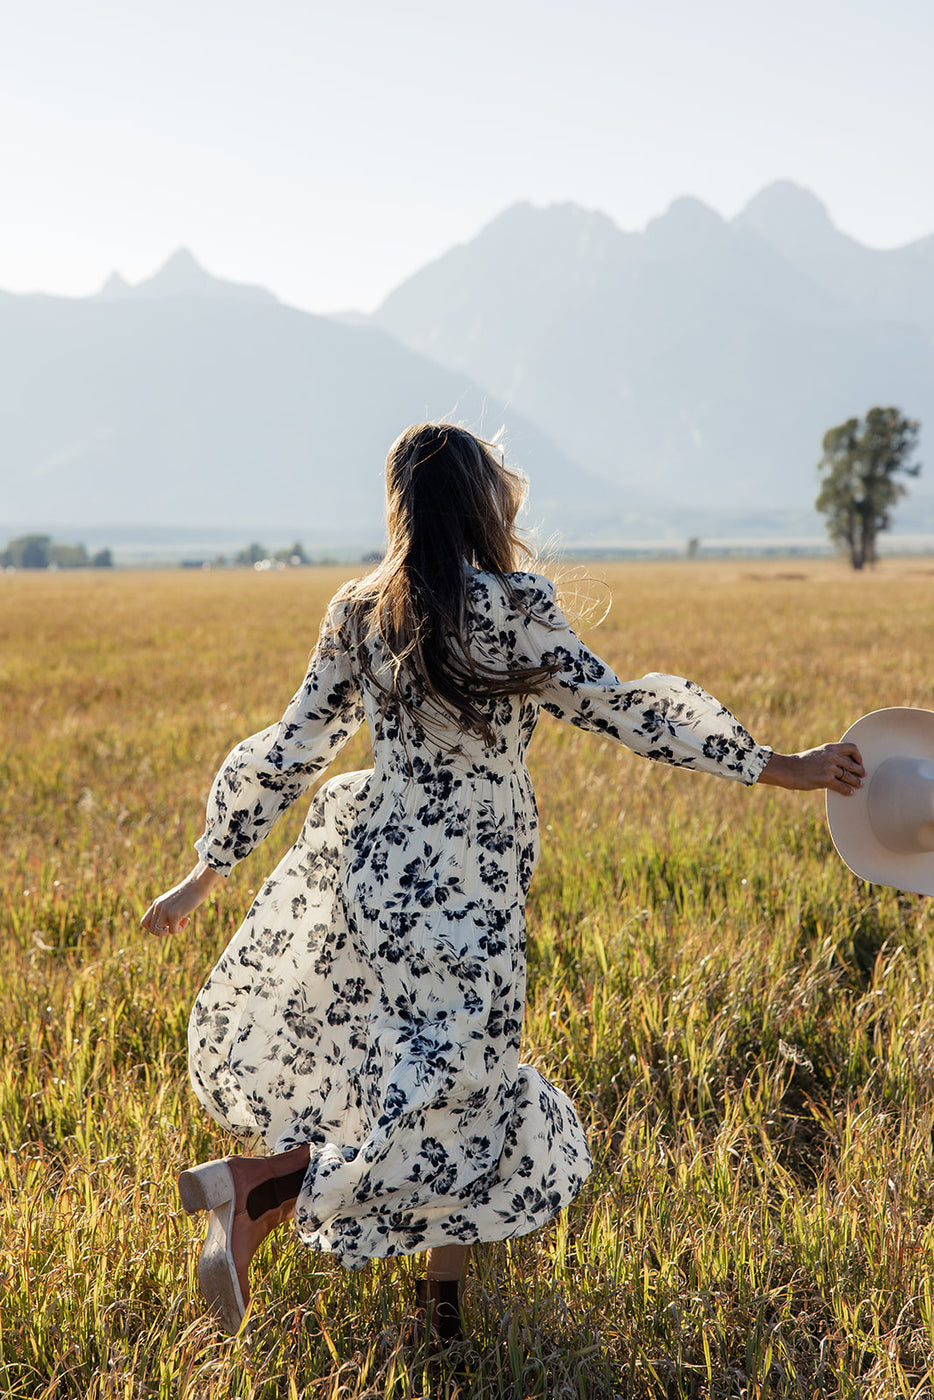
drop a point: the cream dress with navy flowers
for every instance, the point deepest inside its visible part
(371, 1004)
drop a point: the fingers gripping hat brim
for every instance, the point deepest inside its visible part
(899, 733)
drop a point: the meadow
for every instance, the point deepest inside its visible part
(747, 1029)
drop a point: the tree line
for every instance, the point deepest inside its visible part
(41, 552)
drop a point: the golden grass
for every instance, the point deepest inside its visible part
(747, 1029)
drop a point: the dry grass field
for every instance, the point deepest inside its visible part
(747, 1029)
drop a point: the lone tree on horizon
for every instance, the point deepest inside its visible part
(860, 467)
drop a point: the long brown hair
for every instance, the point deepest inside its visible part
(450, 500)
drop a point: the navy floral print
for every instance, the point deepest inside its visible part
(371, 1003)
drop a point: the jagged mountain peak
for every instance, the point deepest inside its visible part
(564, 213)
(687, 211)
(181, 269)
(115, 288)
(687, 222)
(565, 226)
(181, 275)
(786, 212)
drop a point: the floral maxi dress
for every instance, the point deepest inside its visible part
(371, 1003)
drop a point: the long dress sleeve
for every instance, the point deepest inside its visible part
(659, 716)
(267, 772)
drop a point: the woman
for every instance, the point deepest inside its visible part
(365, 1019)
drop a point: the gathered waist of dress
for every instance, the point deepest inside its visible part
(447, 769)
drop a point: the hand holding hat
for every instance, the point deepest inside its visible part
(836, 767)
(885, 830)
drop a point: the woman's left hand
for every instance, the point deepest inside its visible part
(837, 767)
(172, 910)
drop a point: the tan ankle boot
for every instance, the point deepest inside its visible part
(235, 1232)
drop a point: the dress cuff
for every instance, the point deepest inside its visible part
(213, 855)
(754, 764)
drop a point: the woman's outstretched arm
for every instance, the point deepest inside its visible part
(663, 717)
(267, 772)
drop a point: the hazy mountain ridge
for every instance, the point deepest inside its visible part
(195, 406)
(182, 276)
(698, 362)
(891, 284)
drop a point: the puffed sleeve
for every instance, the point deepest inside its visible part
(659, 716)
(267, 772)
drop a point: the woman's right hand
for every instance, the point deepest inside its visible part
(172, 910)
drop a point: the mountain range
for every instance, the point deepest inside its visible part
(673, 381)
(695, 364)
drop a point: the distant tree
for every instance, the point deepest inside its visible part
(103, 559)
(252, 554)
(27, 552)
(295, 555)
(68, 556)
(860, 467)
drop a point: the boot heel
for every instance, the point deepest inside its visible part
(206, 1187)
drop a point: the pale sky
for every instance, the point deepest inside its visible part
(328, 148)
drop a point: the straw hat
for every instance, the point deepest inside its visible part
(885, 830)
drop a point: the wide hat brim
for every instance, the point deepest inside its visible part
(881, 735)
